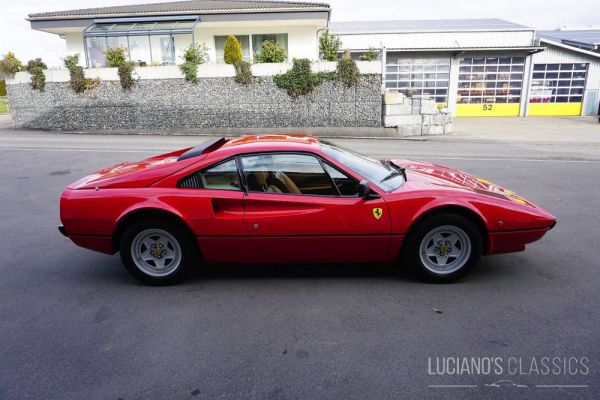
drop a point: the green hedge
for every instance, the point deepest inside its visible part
(2, 88)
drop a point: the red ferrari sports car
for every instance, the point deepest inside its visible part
(293, 199)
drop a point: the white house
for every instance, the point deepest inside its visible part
(157, 34)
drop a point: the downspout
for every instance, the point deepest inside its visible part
(383, 66)
(319, 34)
(194, 31)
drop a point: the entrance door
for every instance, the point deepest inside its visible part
(295, 214)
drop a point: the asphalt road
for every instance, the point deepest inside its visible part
(74, 325)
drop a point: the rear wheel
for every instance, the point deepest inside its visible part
(157, 251)
(442, 248)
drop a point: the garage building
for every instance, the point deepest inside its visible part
(483, 67)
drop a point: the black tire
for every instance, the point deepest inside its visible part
(411, 250)
(187, 246)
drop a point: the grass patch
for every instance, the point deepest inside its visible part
(3, 106)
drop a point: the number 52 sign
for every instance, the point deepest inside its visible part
(487, 107)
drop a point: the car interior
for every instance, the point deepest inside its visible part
(285, 173)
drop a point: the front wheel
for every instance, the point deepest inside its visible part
(156, 251)
(443, 248)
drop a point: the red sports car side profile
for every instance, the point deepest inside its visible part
(293, 199)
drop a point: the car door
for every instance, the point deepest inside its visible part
(213, 201)
(295, 213)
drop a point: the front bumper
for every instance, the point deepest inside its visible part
(62, 230)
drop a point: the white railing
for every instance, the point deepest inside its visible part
(204, 71)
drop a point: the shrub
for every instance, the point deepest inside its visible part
(232, 51)
(36, 69)
(347, 72)
(370, 55)
(116, 56)
(271, 52)
(10, 65)
(125, 72)
(243, 72)
(78, 82)
(330, 46)
(2, 88)
(300, 80)
(192, 57)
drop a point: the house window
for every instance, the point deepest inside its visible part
(280, 38)
(146, 42)
(244, 44)
(139, 49)
(251, 44)
(96, 46)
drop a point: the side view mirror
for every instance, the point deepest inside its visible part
(365, 192)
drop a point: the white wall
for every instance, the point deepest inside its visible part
(436, 40)
(74, 43)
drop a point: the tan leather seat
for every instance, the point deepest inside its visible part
(288, 182)
(262, 176)
(261, 179)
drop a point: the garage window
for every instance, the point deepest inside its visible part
(426, 77)
(490, 80)
(558, 83)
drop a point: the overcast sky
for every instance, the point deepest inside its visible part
(16, 36)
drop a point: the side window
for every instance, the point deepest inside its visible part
(223, 176)
(287, 173)
(347, 186)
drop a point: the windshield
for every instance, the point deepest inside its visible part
(381, 174)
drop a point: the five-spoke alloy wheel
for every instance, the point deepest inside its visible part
(157, 251)
(443, 247)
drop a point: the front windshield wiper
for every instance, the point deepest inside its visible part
(398, 170)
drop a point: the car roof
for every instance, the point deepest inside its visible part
(275, 138)
(221, 147)
(260, 143)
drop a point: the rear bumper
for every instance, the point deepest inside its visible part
(102, 244)
(513, 241)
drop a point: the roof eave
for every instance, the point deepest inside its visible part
(571, 48)
(395, 32)
(37, 17)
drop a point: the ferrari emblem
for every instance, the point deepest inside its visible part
(377, 212)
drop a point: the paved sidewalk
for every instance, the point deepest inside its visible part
(529, 129)
(474, 129)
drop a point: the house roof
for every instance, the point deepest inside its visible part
(430, 25)
(185, 7)
(544, 40)
(588, 39)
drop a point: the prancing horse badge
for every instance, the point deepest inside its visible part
(377, 212)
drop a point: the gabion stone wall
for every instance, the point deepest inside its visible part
(212, 103)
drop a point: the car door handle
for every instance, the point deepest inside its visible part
(228, 208)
